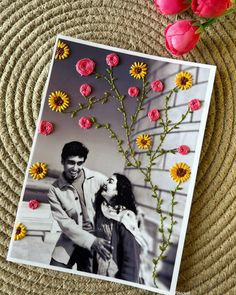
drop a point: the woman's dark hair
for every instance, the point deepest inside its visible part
(125, 196)
(74, 148)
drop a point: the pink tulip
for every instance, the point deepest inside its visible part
(133, 91)
(181, 37)
(171, 6)
(112, 60)
(46, 127)
(85, 123)
(194, 104)
(210, 8)
(85, 66)
(154, 115)
(157, 86)
(85, 89)
(183, 149)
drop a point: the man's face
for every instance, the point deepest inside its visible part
(72, 167)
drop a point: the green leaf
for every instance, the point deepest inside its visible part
(154, 260)
(160, 230)
(170, 214)
(93, 119)
(179, 188)
(163, 257)
(175, 203)
(169, 230)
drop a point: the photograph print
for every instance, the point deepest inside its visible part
(111, 175)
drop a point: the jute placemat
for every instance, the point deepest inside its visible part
(28, 30)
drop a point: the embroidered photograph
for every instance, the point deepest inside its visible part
(111, 175)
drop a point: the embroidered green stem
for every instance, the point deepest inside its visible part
(163, 247)
(91, 101)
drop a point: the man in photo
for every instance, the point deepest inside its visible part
(71, 198)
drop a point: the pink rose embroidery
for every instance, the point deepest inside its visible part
(157, 86)
(194, 104)
(183, 149)
(46, 127)
(85, 89)
(133, 91)
(85, 123)
(154, 115)
(112, 60)
(33, 204)
(85, 66)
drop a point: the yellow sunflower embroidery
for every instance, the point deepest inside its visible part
(58, 101)
(138, 70)
(20, 232)
(180, 172)
(38, 170)
(143, 141)
(184, 80)
(62, 50)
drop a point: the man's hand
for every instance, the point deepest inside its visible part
(103, 248)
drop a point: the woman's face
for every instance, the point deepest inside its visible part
(109, 189)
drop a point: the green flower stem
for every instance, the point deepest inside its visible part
(128, 129)
(119, 142)
(89, 105)
(163, 247)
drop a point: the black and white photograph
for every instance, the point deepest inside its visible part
(110, 179)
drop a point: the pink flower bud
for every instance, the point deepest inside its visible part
(154, 115)
(85, 123)
(183, 149)
(46, 127)
(181, 37)
(112, 60)
(133, 91)
(85, 89)
(33, 204)
(85, 66)
(210, 8)
(168, 7)
(157, 86)
(194, 104)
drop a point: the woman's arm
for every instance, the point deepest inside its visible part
(128, 256)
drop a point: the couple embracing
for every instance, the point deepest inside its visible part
(98, 219)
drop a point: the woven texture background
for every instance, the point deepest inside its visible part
(27, 36)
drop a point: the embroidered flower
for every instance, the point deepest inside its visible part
(184, 80)
(194, 104)
(38, 170)
(85, 66)
(143, 141)
(138, 70)
(20, 232)
(85, 123)
(85, 89)
(183, 149)
(62, 50)
(46, 127)
(180, 172)
(154, 115)
(58, 101)
(112, 60)
(133, 91)
(33, 204)
(157, 86)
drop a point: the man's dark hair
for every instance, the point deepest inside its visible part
(74, 148)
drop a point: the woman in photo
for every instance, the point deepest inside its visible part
(116, 221)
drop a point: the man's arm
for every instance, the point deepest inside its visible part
(68, 226)
(74, 232)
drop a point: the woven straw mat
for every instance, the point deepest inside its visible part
(27, 35)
